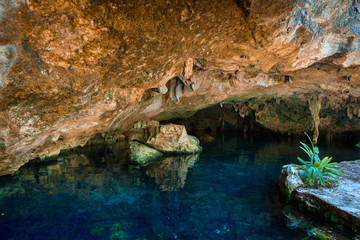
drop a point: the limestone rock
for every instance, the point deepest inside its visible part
(173, 138)
(296, 219)
(289, 180)
(339, 205)
(142, 154)
(169, 138)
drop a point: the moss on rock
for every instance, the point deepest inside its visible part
(142, 154)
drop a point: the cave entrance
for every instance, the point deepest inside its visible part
(220, 118)
(271, 119)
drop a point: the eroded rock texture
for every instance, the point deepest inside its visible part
(339, 204)
(71, 69)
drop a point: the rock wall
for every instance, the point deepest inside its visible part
(71, 69)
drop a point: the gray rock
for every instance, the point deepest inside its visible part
(163, 89)
(339, 204)
(7, 58)
(289, 180)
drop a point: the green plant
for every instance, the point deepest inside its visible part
(316, 171)
(358, 144)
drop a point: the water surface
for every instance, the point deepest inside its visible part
(226, 192)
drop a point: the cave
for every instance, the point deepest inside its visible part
(84, 84)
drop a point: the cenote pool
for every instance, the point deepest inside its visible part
(226, 192)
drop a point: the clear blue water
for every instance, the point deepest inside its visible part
(226, 192)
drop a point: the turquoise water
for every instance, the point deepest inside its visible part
(227, 192)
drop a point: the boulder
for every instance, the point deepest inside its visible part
(173, 138)
(169, 138)
(142, 154)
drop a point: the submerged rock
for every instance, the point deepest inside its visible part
(142, 154)
(339, 204)
(294, 219)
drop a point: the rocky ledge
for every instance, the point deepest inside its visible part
(339, 205)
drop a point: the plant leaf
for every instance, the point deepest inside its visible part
(333, 171)
(316, 150)
(307, 150)
(324, 162)
(320, 175)
(310, 176)
(309, 138)
(302, 161)
(316, 170)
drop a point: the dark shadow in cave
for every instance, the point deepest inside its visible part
(244, 6)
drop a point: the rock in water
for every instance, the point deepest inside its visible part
(173, 138)
(289, 180)
(142, 154)
(339, 204)
(169, 138)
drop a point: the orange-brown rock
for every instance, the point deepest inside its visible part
(71, 69)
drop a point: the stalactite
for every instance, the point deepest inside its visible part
(176, 89)
(188, 74)
(315, 106)
(172, 87)
(236, 107)
(188, 69)
(349, 113)
(179, 90)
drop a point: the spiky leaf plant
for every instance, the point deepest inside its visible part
(316, 171)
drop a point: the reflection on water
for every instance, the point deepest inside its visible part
(226, 192)
(170, 173)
